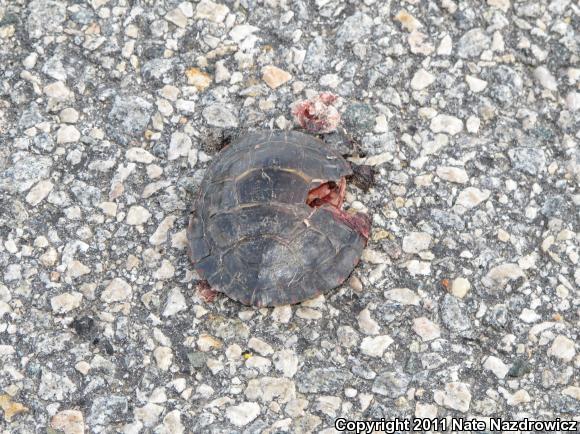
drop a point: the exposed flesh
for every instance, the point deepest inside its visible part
(205, 292)
(329, 192)
(331, 195)
(317, 114)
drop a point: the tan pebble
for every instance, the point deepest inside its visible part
(426, 328)
(503, 235)
(109, 208)
(408, 21)
(154, 171)
(355, 283)
(206, 342)
(381, 234)
(308, 313)
(274, 76)
(131, 262)
(77, 269)
(199, 79)
(69, 422)
(10, 408)
(83, 367)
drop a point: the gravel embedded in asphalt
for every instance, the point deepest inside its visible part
(466, 301)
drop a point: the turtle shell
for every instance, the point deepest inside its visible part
(252, 234)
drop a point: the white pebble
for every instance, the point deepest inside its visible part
(422, 79)
(375, 346)
(137, 215)
(562, 348)
(67, 134)
(416, 242)
(496, 366)
(460, 287)
(367, 325)
(446, 124)
(472, 124)
(545, 77)
(452, 174)
(426, 329)
(39, 192)
(117, 290)
(66, 302)
(243, 414)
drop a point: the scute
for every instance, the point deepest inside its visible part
(287, 156)
(222, 230)
(255, 186)
(271, 185)
(252, 235)
(314, 246)
(288, 186)
(199, 248)
(219, 196)
(208, 266)
(274, 219)
(347, 258)
(338, 233)
(197, 245)
(311, 284)
(251, 250)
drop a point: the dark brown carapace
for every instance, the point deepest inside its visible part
(268, 227)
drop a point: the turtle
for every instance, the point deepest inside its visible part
(267, 226)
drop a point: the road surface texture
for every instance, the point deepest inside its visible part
(465, 303)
